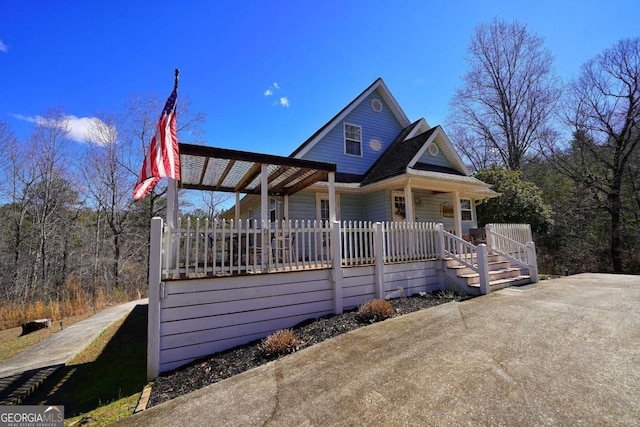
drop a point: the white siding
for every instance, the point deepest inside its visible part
(205, 316)
(200, 317)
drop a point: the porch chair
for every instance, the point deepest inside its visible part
(478, 235)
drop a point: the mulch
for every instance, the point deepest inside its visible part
(219, 366)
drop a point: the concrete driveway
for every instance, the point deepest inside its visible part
(566, 352)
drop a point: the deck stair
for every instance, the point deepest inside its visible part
(501, 275)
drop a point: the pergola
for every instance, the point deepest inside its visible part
(242, 172)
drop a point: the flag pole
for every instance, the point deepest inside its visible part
(172, 189)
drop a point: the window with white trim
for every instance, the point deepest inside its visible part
(353, 140)
(322, 207)
(466, 211)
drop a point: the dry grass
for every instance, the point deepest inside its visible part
(76, 302)
(77, 306)
(280, 343)
(375, 311)
(104, 382)
(12, 343)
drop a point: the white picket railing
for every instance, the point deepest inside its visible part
(201, 248)
(205, 248)
(357, 239)
(467, 254)
(514, 242)
(519, 232)
(409, 241)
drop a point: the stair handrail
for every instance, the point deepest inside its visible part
(465, 253)
(521, 254)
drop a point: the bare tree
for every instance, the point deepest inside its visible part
(108, 183)
(504, 107)
(602, 108)
(17, 176)
(140, 125)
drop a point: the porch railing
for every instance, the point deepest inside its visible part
(473, 257)
(205, 248)
(409, 241)
(200, 248)
(514, 242)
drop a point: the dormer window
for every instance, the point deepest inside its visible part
(353, 140)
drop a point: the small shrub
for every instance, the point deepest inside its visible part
(375, 311)
(280, 343)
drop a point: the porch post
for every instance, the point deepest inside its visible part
(153, 317)
(336, 267)
(532, 262)
(172, 203)
(483, 269)
(457, 215)
(378, 251)
(264, 193)
(264, 217)
(408, 203)
(237, 214)
(286, 206)
(332, 197)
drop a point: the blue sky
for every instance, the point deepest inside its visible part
(314, 57)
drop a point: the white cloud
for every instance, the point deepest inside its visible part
(3, 47)
(282, 101)
(80, 129)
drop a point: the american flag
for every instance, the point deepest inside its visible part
(162, 159)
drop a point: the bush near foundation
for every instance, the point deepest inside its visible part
(280, 343)
(375, 311)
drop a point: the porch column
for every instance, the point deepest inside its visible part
(172, 203)
(264, 216)
(237, 215)
(457, 215)
(286, 207)
(155, 288)
(332, 197)
(408, 203)
(264, 193)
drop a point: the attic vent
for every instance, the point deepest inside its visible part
(376, 105)
(433, 149)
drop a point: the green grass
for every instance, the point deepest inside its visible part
(104, 382)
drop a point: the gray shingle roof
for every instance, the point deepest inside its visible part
(396, 158)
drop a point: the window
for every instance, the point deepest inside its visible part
(352, 140)
(465, 209)
(324, 210)
(273, 210)
(322, 207)
(399, 206)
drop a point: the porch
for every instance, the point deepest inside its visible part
(218, 284)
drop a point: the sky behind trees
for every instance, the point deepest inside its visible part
(267, 74)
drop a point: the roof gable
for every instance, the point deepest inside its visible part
(408, 151)
(386, 96)
(446, 148)
(396, 158)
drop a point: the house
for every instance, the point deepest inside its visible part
(387, 169)
(370, 206)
